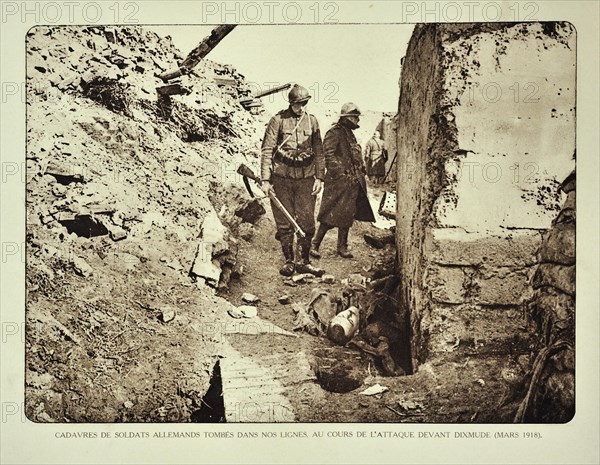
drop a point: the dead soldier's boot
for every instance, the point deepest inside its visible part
(304, 266)
(342, 245)
(316, 242)
(287, 246)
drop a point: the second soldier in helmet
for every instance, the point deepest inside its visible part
(345, 194)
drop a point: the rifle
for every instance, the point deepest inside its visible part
(247, 173)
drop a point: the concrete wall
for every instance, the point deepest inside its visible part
(485, 134)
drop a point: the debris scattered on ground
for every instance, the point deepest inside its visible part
(249, 298)
(82, 268)
(302, 278)
(243, 311)
(354, 279)
(284, 299)
(374, 390)
(167, 314)
(328, 279)
(410, 405)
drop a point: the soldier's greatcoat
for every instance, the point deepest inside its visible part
(345, 190)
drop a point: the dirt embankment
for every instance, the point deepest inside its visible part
(117, 192)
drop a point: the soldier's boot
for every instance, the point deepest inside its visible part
(287, 246)
(342, 244)
(316, 242)
(304, 265)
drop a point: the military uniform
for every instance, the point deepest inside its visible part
(345, 191)
(375, 157)
(291, 159)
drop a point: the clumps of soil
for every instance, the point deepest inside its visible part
(114, 95)
(198, 124)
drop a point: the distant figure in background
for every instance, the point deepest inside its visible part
(292, 166)
(375, 158)
(345, 190)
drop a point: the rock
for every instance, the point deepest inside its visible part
(245, 231)
(243, 311)
(328, 279)
(116, 233)
(59, 190)
(204, 266)
(379, 239)
(284, 299)
(558, 244)
(560, 277)
(356, 279)
(409, 405)
(175, 265)
(128, 404)
(167, 314)
(374, 390)
(249, 298)
(298, 278)
(251, 211)
(248, 311)
(43, 417)
(64, 174)
(82, 268)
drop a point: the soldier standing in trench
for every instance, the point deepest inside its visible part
(375, 158)
(292, 165)
(345, 193)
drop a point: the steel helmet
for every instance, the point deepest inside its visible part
(298, 94)
(349, 109)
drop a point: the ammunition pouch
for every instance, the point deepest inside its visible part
(297, 160)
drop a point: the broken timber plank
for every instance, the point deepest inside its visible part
(197, 54)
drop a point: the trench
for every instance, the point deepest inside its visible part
(212, 408)
(84, 226)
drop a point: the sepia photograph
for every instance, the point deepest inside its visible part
(385, 235)
(299, 232)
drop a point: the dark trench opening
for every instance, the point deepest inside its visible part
(212, 407)
(84, 226)
(66, 179)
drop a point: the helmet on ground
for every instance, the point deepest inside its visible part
(349, 109)
(298, 94)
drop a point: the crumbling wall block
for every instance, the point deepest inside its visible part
(476, 330)
(551, 392)
(485, 133)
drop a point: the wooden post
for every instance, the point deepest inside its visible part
(197, 54)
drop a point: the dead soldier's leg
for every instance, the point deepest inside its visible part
(285, 231)
(305, 216)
